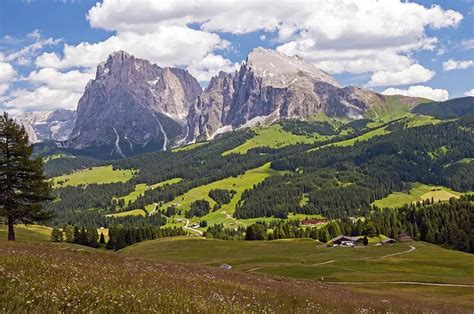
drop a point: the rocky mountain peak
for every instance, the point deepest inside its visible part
(279, 70)
(133, 106)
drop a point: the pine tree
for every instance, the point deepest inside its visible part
(77, 235)
(69, 233)
(57, 235)
(23, 186)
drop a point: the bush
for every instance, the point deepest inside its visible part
(57, 235)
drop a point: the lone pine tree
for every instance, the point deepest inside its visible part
(23, 186)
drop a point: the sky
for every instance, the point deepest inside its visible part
(49, 49)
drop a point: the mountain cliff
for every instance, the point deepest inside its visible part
(42, 126)
(133, 106)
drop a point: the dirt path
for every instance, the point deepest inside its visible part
(154, 210)
(412, 248)
(228, 216)
(192, 229)
(402, 283)
(324, 263)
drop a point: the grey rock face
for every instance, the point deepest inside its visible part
(271, 86)
(133, 106)
(41, 126)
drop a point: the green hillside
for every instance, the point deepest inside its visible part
(418, 192)
(238, 184)
(453, 108)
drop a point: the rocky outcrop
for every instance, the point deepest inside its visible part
(133, 106)
(47, 125)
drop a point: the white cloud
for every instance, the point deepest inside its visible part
(167, 46)
(413, 74)
(419, 91)
(25, 55)
(42, 98)
(369, 35)
(469, 93)
(7, 74)
(331, 18)
(73, 81)
(210, 66)
(457, 64)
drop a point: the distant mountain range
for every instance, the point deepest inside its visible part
(43, 126)
(133, 106)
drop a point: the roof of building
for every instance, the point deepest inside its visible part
(343, 237)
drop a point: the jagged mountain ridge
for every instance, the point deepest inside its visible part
(270, 86)
(47, 125)
(133, 106)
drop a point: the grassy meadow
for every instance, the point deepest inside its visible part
(94, 175)
(273, 136)
(418, 192)
(360, 269)
(50, 278)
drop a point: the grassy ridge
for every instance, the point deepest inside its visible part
(62, 278)
(418, 192)
(95, 175)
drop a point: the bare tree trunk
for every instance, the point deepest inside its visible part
(11, 230)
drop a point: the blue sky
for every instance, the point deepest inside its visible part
(49, 49)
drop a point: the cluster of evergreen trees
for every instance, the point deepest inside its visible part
(198, 208)
(218, 231)
(74, 234)
(450, 224)
(292, 229)
(221, 196)
(120, 237)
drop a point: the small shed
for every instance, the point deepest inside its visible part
(225, 267)
(404, 237)
(389, 241)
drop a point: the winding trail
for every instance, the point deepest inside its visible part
(324, 263)
(192, 229)
(412, 248)
(154, 210)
